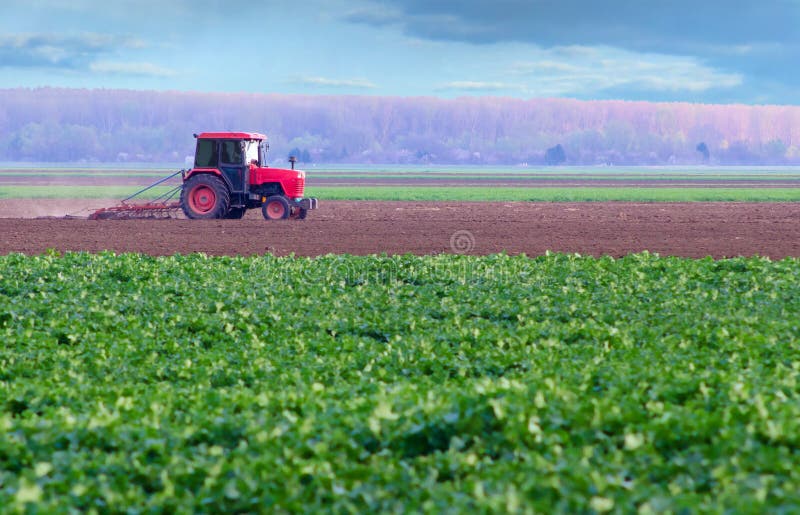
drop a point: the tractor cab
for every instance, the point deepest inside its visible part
(230, 176)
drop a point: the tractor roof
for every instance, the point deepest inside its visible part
(231, 135)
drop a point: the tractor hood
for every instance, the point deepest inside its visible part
(292, 181)
(282, 172)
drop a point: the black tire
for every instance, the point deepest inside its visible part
(301, 213)
(236, 213)
(205, 196)
(275, 207)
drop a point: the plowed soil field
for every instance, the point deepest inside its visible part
(681, 229)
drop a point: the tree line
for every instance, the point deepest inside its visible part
(78, 125)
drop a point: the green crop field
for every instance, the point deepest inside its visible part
(554, 194)
(403, 384)
(455, 193)
(474, 177)
(77, 192)
(654, 171)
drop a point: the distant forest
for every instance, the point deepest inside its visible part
(74, 125)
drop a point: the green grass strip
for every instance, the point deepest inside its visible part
(76, 191)
(425, 193)
(456, 193)
(555, 177)
(66, 173)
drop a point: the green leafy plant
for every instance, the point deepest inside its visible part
(398, 383)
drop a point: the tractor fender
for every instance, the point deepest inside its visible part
(194, 171)
(213, 171)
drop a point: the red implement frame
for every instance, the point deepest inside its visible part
(128, 211)
(160, 207)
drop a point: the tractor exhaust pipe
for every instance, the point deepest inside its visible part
(293, 160)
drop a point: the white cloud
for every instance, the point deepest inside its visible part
(82, 40)
(468, 85)
(581, 70)
(130, 68)
(325, 82)
(374, 15)
(61, 50)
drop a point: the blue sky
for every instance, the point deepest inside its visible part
(730, 51)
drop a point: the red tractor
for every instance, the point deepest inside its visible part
(230, 176)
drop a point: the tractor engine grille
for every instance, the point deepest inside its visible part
(296, 188)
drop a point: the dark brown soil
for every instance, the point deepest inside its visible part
(681, 229)
(33, 208)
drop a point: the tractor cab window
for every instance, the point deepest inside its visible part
(251, 152)
(231, 152)
(206, 156)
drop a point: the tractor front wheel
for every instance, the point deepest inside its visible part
(205, 196)
(275, 207)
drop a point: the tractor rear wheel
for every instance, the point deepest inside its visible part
(235, 213)
(275, 207)
(205, 196)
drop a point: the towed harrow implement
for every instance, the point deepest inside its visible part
(162, 206)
